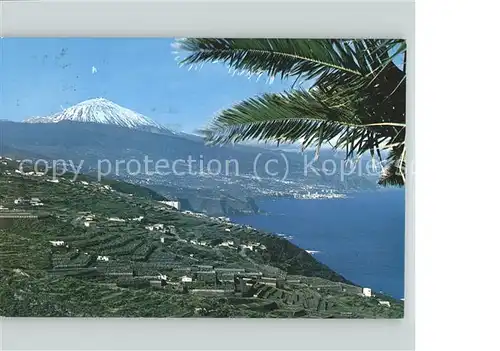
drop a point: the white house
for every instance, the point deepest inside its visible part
(385, 303)
(103, 258)
(57, 243)
(227, 243)
(53, 180)
(250, 247)
(367, 292)
(227, 230)
(186, 279)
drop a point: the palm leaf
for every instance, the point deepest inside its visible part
(394, 172)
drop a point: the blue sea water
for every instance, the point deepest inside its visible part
(360, 237)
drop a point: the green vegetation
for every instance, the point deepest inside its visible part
(95, 251)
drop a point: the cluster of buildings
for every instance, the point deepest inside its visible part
(238, 281)
(88, 219)
(31, 173)
(231, 244)
(156, 227)
(214, 219)
(172, 203)
(319, 195)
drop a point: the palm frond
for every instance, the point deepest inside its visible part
(357, 99)
(391, 177)
(307, 58)
(394, 172)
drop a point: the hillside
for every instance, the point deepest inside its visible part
(111, 250)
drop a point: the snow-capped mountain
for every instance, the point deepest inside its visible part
(101, 111)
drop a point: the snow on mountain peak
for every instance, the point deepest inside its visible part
(102, 111)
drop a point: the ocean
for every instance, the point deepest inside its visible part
(360, 237)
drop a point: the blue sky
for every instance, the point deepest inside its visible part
(39, 76)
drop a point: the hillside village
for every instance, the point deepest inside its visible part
(97, 247)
